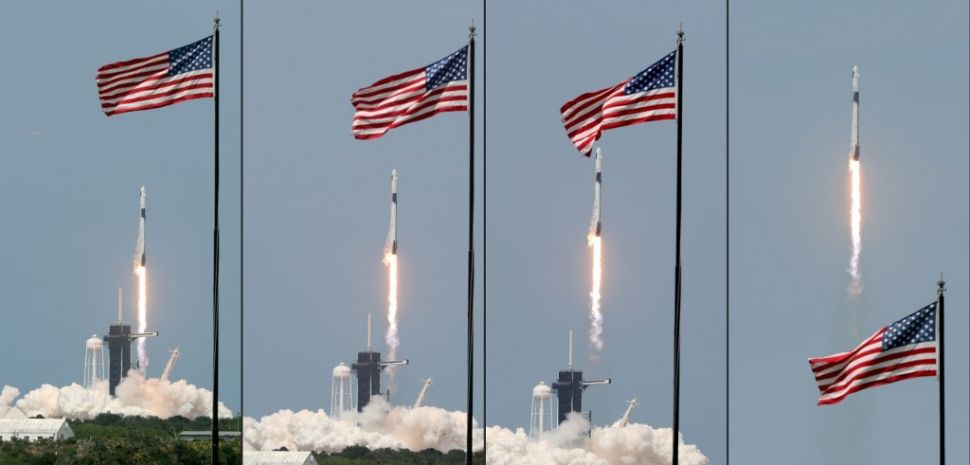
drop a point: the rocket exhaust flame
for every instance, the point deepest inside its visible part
(855, 221)
(595, 241)
(141, 274)
(390, 261)
(855, 210)
(391, 338)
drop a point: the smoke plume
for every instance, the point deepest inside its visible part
(380, 426)
(383, 426)
(135, 396)
(569, 444)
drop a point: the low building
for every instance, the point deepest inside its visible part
(251, 457)
(32, 429)
(207, 435)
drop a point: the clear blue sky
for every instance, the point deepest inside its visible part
(790, 116)
(317, 202)
(69, 179)
(540, 194)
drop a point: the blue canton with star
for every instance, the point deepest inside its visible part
(913, 329)
(656, 76)
(192, 57)
(453, 67)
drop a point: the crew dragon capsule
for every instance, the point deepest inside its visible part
(855, 113)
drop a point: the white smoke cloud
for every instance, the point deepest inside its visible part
(569, 445)
(381, 426)
(135, 396)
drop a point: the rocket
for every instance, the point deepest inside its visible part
(141, 224)
(392, 232)
(855, 113)
(595, 224)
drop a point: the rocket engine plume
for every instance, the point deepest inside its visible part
(855, 222)
(595, 241)
(390, 261)
(855, 180)
(141, 276)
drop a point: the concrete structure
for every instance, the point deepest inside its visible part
(32, 429)
(251, 457)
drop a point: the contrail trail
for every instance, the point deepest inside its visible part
(855, 179)
(390, 261)
(141, 274)
(595, 241)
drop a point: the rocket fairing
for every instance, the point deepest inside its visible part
(392, 232)
(855, 113)
(596, 223)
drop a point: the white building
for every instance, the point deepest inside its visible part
(251, 457)
(32, 429)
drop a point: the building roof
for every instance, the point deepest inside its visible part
(31, 425)
(251, 457)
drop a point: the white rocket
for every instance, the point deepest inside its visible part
(141, 227)
(391, 242)
(855, 113)
(595, 225)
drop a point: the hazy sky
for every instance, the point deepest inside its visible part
(317, 202)
(69, 179)
(790, 116)
(540, 195)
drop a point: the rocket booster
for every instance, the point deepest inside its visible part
(855, 113)
(392, 232)
(595, 224)
(141, 225)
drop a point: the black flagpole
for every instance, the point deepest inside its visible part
(471, 241)
(680, 124)
(941, 288)
(215, 256)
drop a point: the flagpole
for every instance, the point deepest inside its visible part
(471, 242)
(215, 253)
(680, 120)
(941, 288)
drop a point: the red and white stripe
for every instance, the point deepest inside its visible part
(587, 116)
(400, 99)
(143, 83)
(869, 366)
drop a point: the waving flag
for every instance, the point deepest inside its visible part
(411, 96)
(174, 76)
(905, 349)
(649, 96)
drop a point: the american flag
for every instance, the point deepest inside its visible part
(411, 96)
(905, 349)
(649, 96)
(174, 76)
